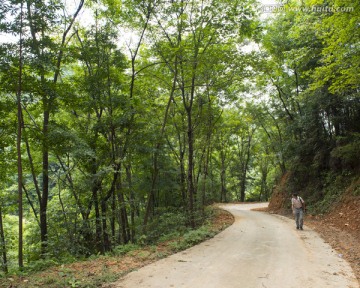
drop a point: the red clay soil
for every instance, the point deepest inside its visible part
(340, 228)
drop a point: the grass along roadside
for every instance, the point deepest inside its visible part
(100, 271)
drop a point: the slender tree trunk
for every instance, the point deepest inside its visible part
(99, 242)
(104, 199)
(66, 221)
(263, 188)
(131, 229)
(190, 177)
(281, 157)
(182, 178)
(19, 160)
(206, 169)
(245, 169)
(45, 187)
(223, 177)
(113, 213)
(42, 196)
(105, 236)
(151, 196)
(123, 217)
(47, 102)
(95, 199)
(134, 54)
(3, 245)
(207, 155)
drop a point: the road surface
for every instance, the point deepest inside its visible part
(259, 250)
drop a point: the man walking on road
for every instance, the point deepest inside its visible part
(298, 208)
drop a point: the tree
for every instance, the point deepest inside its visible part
(40, 49)
(310, 65)
(197, 59)
(18, 148)
(114, 136)
(4, 262)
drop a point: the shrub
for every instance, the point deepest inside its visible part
(347, 151)
(192, 238)
(124, 249)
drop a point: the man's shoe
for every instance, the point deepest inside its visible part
(297, 228)
(301, 228)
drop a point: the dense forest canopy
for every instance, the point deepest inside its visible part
(121, 120)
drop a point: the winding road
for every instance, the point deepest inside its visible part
(258, 250)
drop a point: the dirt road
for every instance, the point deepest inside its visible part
(258, 250)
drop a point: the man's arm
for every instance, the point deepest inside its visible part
(303, 203)
(304, 206)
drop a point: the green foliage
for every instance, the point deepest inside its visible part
(124, 249)
(339, 33)
(307, 69)
(347, 151)
(192, 238)
(100, 273)
(167, 223)
(125, 133)
(42, 264)
(356, 191)
(334, 187)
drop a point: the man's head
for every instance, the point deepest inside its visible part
(294, 195)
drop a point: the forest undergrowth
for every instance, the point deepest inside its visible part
(101, 270)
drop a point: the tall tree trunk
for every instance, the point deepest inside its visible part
(151, 196)
(95, 199)
(190, 133)
(3, 245)
(245, 168)
(19, 160)
(183, 178)
(99, 242)
(223, 177)
(45, 186)
(131, 229)
(113, 213)
(281, 159)
(123, 217)
(190, 177)
(206, 169)
(104, 199)
(105, 236)
(134, 54)
(39, 49)
(207, 154)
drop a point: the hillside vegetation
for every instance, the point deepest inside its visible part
(340, 205)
